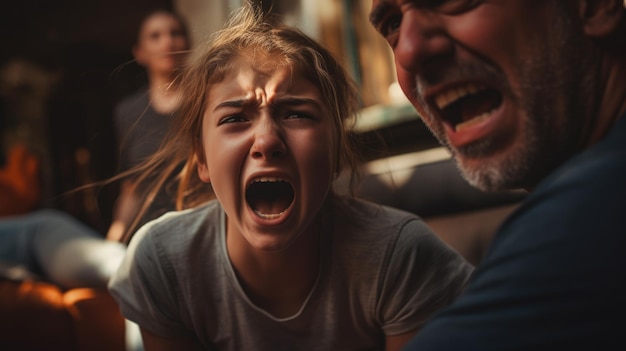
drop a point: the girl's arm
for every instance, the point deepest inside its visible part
(153, 342)
(396, 342)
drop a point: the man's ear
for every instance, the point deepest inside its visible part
(601, 17)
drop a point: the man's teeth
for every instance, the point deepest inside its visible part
(472, 121)
(445, 99)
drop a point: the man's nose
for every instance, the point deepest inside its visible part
(268, 141)
(422, 42)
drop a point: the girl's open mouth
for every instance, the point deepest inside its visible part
(269, 197)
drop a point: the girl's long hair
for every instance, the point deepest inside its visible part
(249, 31)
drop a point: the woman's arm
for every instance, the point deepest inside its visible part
(124, 212)
(153, 342)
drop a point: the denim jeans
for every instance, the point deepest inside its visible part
(59, 248)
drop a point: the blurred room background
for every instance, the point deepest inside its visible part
(64, 64)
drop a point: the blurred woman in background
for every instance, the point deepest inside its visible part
(143, 118)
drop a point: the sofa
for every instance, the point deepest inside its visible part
(404, 166)
(38, 315)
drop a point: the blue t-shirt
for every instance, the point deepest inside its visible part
(555, 275)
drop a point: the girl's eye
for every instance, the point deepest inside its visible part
(298, 115)
(294, 116)
(231, 119)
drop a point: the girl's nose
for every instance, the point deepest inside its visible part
(268, 141)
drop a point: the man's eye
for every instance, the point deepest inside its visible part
(390, 25)
(231, 119)
(455, 7)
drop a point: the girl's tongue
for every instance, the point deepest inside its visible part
(269, 198)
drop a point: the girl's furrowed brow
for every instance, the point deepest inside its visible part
(281, 101)
(231, 103)
(294, 101)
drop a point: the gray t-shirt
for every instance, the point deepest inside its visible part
(383, 272)
(139, 128)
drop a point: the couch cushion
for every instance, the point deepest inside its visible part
(98, 323)
(34, 317)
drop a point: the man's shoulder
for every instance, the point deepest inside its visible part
(575, 212)
(596, 174)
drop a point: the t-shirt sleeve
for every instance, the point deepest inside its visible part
(144, 286)
(423, 275)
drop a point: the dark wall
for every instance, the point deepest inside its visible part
(83, 50)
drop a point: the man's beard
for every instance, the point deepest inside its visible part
(553, 91)
(511, 172)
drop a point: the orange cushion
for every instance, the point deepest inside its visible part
(19, 182)
(34, 317)
(97, 320)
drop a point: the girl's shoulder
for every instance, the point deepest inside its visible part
(178, 229)
(188, 216)
(363, 223)
(363, 212)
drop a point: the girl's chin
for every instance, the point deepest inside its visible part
(269, 243)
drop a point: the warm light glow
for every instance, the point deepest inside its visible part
(395, 171)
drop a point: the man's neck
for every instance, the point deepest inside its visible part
(612, 105)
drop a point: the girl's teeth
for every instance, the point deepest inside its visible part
(269, 216)
(266, 180)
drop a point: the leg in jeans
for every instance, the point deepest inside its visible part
(60, 248)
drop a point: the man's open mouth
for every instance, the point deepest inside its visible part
(269, 197)
(467, 105)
